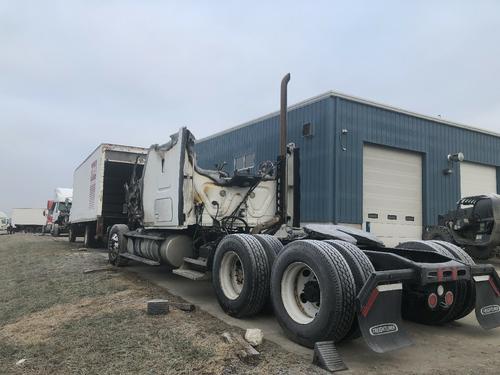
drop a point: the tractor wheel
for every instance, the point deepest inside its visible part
(272, 246)
(439, 233)
(117, 244)
(240, 275)
(415, 304)
(71, 234)
(480, 252)
(313, 292)
(55, 230)
(462, 256)
(361, 269)
(89, 235)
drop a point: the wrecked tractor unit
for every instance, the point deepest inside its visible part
(324, 282)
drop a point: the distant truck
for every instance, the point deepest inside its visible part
(57, 212)
(99, 191)
(28, 220)
(4, 222)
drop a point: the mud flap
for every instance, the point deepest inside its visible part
(380, 319)
(487, 301)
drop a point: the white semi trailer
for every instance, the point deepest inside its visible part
(31, 220)
(98, 191)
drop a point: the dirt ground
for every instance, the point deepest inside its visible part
(62, 321)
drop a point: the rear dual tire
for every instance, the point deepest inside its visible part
(313, 292)
(415, 306)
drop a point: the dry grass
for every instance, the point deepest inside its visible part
(63, 321)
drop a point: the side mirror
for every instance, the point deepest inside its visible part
(44, 212)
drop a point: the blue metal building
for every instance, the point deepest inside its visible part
(354, 151)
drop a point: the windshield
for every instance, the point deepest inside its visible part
(64, 207)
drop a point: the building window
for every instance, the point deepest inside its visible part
(307, 130)
(244, 162)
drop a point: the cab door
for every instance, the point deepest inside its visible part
(163, 181)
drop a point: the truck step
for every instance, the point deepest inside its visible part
(190, 274)
(201, 262)
(149, 262)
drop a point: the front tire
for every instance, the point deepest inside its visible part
(117, 244)
(240, 275)
(55, 230)
(313, 292)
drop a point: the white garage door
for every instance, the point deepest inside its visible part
(476, 179)
(392, 194)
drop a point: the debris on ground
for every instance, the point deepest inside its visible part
(189, 307)
(157, 307)
(20, 362)
(254, 336)
(244, 351)
(99, 269)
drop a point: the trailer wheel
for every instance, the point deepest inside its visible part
(461, 255)
(117, 243)
(313, 292)
(361, 269)
(89, 235)
(415, 306)
(71, 234)
(240, 275)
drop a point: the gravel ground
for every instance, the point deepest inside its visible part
(62, 321)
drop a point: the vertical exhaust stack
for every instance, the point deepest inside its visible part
(283, 108)
(282, 157)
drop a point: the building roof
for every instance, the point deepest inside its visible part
(357, 100)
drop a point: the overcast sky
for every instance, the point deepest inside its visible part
(74, 74)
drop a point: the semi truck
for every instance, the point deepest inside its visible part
(28, 220)
(98, 191)
(4, 222)
(57, 212)
(325, 282)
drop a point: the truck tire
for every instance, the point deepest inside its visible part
(240, 275)
(71, 234)
(439, 233)
(361, 269)
(89, 235)
(117, 243)
(480, 252)
(55, 230)
(414, 306)
(272, 246)
(461, 255)
(313, 292)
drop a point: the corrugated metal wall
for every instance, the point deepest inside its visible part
(368, 124)
(332, 179)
